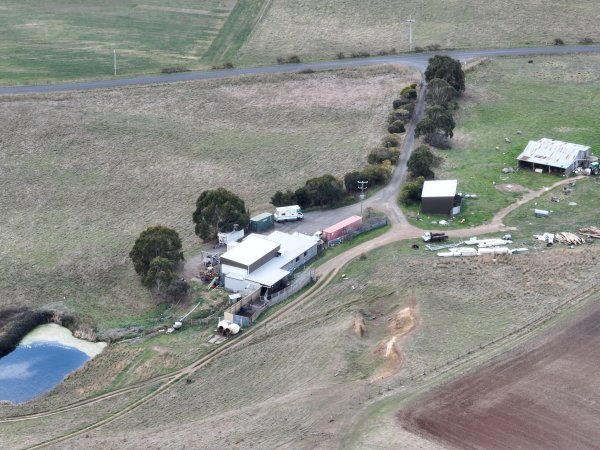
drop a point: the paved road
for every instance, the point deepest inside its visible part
(417, 60)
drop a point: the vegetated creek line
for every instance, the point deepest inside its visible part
(41, 361)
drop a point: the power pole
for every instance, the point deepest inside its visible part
(362, 188)
(410, 22)
(115, 60)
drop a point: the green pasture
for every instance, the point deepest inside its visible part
(60, 40)
(515, 100)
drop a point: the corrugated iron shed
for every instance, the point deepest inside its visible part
(549, 152)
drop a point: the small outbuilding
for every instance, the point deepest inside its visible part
(550, 156)
(439, 197)
(261, 222)
(342, 228)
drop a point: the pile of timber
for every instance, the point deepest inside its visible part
(566, 237)
(590, 232)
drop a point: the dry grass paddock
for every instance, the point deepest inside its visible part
(322, 28)
(84, 173)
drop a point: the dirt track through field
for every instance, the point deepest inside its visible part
(541, 395)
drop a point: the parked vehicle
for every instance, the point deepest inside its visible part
(434, 237)
(288, 213)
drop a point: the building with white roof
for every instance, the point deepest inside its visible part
(438, 197)
(553, 156)
(266, 260)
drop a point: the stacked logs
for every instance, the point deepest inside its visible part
(566, 237)
(593, 232)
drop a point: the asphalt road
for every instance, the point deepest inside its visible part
(417, 60)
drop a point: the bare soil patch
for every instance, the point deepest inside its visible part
(512, 187)
(541, 395)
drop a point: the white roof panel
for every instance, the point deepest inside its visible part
(268, 274)
(292, 245)
(549, 152)
(250, 250)
(439, 188)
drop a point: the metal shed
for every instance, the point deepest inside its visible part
(437, 197)
(554, 156)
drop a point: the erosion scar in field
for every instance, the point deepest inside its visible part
(541, 395)
(400, 326)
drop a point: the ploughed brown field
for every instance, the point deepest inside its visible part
(543, 395)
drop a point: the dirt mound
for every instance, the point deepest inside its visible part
(401, 324)
(358, 324)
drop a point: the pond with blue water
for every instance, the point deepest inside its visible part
(41, 361)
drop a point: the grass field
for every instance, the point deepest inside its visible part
(551, 97)
(321, 29)
(84, 173)
(62, 40)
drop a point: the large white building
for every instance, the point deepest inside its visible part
(265, 260)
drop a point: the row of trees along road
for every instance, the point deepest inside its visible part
(157, 251)
(445, 83)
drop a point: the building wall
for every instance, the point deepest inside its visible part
(437, 205)
(233, 284)
(301, 259)
(268, 257)
(233, 266)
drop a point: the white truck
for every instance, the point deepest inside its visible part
(288, 213)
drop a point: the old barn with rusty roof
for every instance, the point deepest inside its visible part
(553, 156)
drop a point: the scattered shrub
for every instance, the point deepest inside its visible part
(283, 198)
(307, 71)
(341, 55)
(586, 41)
(400, 102)
(291, 59)
(397, 127)
(375, 174)
(325, 190)
(402, 115)
(380, 154)
(418, 49)
(558, 41)
(421, 162)
(361, 54)
(432, 47)
(411, 191)
(410, 94)
(174, 69)
(390, 141)
(379, 174)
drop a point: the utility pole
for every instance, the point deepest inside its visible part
(410, 22)
(115, 60)
(362, 188)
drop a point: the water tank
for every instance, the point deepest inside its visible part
(222, 326)
(234, 328)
